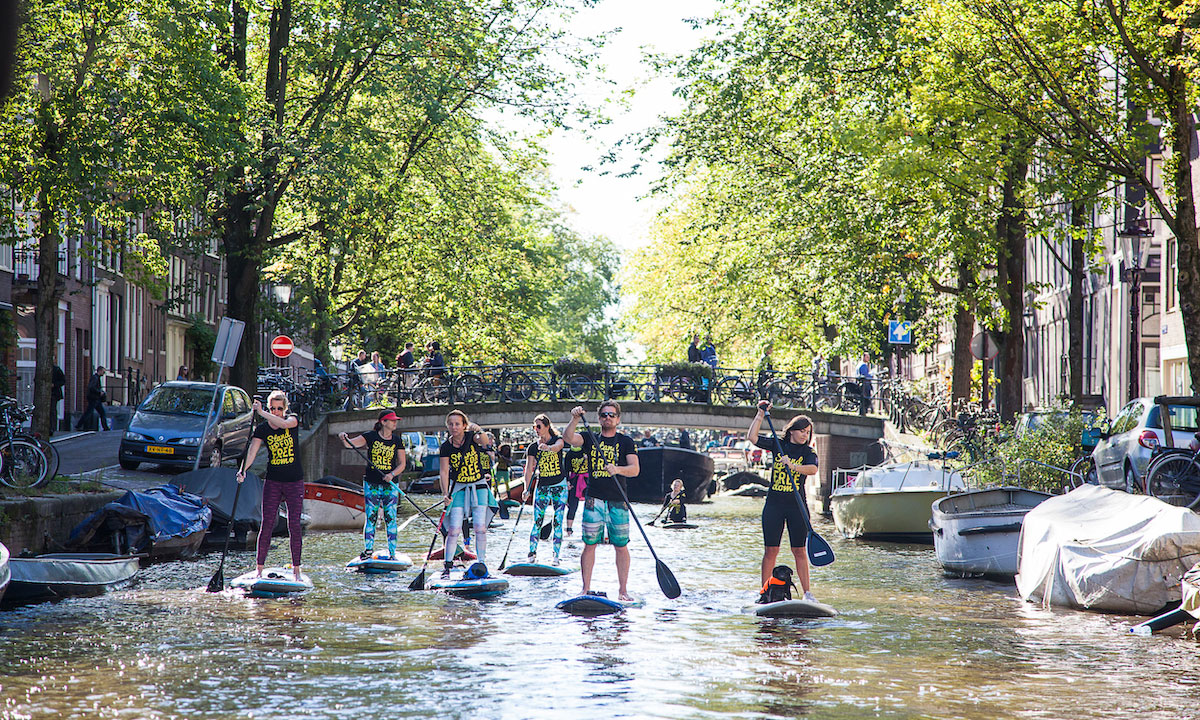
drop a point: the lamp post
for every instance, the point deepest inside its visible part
(1132, 274)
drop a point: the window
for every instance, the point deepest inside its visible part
(1171, 276)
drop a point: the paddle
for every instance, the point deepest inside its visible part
(512, 535)
(217, 583)
(819, 552)
(666, 505)
(408, 522)
(418, 583)
(666, 579)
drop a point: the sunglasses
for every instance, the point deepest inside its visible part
(608, 414)
(277, 407)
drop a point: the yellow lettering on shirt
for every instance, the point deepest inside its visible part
(281, 447)
(466, 465)
(381, 456)
(548, 463)
(603, 454)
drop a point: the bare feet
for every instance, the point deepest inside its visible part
(625, 597)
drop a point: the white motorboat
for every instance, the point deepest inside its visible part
(891, 502)
(977, 532)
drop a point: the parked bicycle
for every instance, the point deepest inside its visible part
(1173, 476)
(24, 464)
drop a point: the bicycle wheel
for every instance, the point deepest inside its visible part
(52, 457)
(730, 391)
(648, 392)
(1084, 471)
(681, 389)
(468, 388)
(1175, 479)
(780, 392)
(518, 387)
(577, 387)
(23, 465)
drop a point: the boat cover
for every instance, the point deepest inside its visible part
(141, 519)
(1102, 549)
(218, 486)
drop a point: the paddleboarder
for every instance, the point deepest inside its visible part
(284, 479)
(577, 477)
(386, 459)
(464, 475)
(545, 457)
(781, 508)
(676, 510)
(612, 457)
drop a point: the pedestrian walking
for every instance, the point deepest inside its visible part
(58, 383)
(96, 397)
(864, 382)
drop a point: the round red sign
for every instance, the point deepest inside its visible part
(282, 346)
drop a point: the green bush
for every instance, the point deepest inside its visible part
(1057, 441)
(568, 367)
(685, 369)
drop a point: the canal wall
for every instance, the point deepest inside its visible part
(42, 524)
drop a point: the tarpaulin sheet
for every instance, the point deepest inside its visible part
(218, 486)
(144, 518)
(1101, 549)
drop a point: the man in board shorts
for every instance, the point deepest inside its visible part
(612, 457)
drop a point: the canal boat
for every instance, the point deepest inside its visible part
(219, 487)
(1100, 549)
(62, 575)
(891, 502)
(330, 507)
(1188, 610)
(162, 523)
(976, 532)
(5, 572)
(659, 465)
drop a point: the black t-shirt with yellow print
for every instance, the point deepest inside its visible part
(551, 466)
(467, 461)
(600, 452)
(283, 449)
(381, 456)
(781, 488)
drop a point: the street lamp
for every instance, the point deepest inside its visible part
(283, 293)
(1131, 272)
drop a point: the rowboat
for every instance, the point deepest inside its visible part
(329, 507)
(891, 502)
(61, 575)
(976, 532)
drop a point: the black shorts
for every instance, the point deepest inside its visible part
(775, 516)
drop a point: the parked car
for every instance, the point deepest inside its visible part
(1123, 452)
(728, 460)
(168, 426)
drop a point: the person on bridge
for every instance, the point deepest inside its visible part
(708, 353)
(694, 349)
(780, 508)
(612, 457)
(284, 479)
(465, 481)
(545, 457)
(385, 461)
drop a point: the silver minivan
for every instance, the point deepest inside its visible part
(1123, 453)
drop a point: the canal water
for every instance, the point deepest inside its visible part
(909, 643)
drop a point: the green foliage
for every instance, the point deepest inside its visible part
(1056, 441)
(565, 367)
(201, 338)
(685, 369)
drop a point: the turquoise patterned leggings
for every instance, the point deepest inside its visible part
(383, 497)
(556, 494)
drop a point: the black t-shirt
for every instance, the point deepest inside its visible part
(576, 460)
(381, 456)
(467, 461)
(781, 488)
(551, 467)
(283, 449)
(406, 359)
(601, 451)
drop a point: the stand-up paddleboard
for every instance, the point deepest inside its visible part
(792, 608)
(537, 570)
(463, 554)
(479, 588)
(678, 526)
(379, 563)
(275, 582)
(592, 605)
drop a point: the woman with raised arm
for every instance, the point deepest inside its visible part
(284, 479)
(464, 475)
(781, 508)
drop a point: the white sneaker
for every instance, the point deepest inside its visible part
(808, 597)
(556, 562)
(532, 559)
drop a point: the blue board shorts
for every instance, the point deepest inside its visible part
(599, 515)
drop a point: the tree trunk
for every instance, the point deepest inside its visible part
(45, 313)
(1080, 216)
(1185, 220)
(1010, 286)
(243, 262)
(964, 328)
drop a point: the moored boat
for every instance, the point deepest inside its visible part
(891, 502)
(976, 532)
(329, 507)
(660, 465)
(61, 575)
(5, 572)
(162, 523)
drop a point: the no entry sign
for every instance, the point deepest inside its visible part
(282, 346)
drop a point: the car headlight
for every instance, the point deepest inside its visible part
(189, 441)
(131, 435)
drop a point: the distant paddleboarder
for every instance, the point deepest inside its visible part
(386, 459)
(284, 479)
(545, 457)
(676, 510)
(464, 476)
(612, 457)
(781, 508)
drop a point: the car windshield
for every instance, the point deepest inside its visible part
(1183, 418)
(179, 401)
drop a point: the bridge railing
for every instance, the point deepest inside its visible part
(472, 384)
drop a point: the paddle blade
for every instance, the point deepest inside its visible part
(217, 583)
(819, 552)
(547, 529)
(666, 580)
(418, 583)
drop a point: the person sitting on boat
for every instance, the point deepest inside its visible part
(545, 457)
(284, 478)
(676, 510)
(781, 507)
(577, 479)
(385, 461)
(463, 474)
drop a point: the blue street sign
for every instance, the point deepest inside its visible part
(899, 332)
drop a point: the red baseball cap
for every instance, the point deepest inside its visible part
(388, 415)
